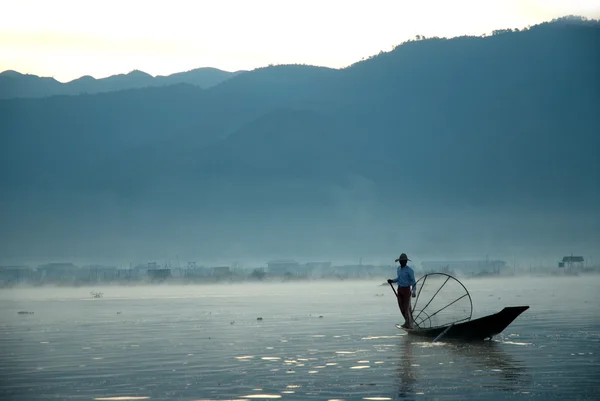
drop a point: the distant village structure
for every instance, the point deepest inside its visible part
(66, 273)
(569, 262)
(466, 268)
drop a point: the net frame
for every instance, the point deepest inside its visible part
(421, 324)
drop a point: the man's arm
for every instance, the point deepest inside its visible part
(413, 282)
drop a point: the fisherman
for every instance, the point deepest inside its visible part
(405, 280)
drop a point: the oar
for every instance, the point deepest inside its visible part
(442, 333)
(397, 300)
(393, 289)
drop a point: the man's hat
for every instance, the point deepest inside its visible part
(402, 257)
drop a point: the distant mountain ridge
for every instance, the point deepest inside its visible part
(442, 146)
(16, 85)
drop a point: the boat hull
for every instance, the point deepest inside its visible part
(474, 330)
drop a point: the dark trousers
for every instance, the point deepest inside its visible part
(404, 303)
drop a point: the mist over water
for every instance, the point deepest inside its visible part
(315, 341)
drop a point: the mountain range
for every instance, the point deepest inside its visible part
(440, 148)
(16, 85)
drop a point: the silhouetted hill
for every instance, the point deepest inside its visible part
(445, 146)
(16, 85)
(202, 77)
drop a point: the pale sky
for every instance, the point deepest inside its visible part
(66, 39)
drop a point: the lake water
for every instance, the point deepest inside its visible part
(316, 341)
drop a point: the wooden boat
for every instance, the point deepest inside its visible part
(448, 310)
(473, 330)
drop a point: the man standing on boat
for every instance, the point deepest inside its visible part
(405, 279)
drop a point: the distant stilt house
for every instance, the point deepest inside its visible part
(101, 273)
(142, 270)
(283, 267)
(192, 270)
(59, 272)
(124, 274)
(159, 274)
(568, 262)
(258, 273)
(221, 272)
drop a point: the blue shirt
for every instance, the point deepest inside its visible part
(406, 277)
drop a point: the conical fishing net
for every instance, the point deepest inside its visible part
(441, 300)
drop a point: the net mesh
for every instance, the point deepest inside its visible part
(441, 301)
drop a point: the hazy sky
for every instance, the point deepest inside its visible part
(70, 38)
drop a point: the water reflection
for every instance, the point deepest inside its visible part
(406, 371)
(491, 359)
(426, 368)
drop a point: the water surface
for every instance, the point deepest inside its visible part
(315, 341)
